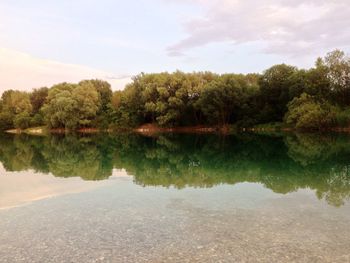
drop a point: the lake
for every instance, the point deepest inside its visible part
(175, 198)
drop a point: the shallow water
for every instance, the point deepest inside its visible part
(175, 198)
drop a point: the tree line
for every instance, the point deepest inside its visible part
(316, 98)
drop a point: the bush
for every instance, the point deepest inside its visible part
(343, 118)
(37, 120)
(307, 113)
(22, 120)
(6, 121)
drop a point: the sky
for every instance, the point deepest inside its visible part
(47, 42)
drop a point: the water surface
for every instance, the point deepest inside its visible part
(175, 198)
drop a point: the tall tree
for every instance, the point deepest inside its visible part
(87, 101)
(220, 99)
(60, 109)
(104, 90)
(338, 65)
(16, 102)
(275, 91)
(306, 112)
(38, 98)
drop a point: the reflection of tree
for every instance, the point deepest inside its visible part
(17, 155)
(283, 164)
(308, 148)
(72, 156)
(335, 188)
(63, 156)
(325, 164)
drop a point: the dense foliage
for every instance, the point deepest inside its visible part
(318, 98)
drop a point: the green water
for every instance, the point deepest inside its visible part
(175, 198)
(281, 163)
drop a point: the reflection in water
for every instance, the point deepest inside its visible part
(25, 187)
(282, 163)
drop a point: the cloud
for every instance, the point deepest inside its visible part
(292, 27)
(24, 72)
(119, 77)
(19, 188)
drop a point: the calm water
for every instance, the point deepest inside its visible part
(178, 198)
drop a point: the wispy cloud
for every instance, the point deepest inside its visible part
(119, 77)
(292, 27)
(22, 71)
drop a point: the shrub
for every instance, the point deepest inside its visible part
(22, 120)
(6, 121)
(305, 112)
(343, 118)
(37, 120)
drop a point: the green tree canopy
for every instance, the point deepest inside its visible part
(306, 112)
(221, 99)
(38, 98)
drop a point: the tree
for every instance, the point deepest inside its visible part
(105, 115)
(116, 99)
(38, 98)
(60, 107)
(171, 99)
(164, 96)
(275, 92)
(104, 90)
(317, 81)
(6, 121)
(219, 99)
(338, 66)
(306, 112)
(71, 106)
(15, 109)
(16, 102)
(87, 102)
(37, 120)
(22, 120)
(197, 81)
(131, 109)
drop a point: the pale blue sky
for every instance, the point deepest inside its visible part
(52, 40)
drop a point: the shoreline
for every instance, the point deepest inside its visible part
(149, 130)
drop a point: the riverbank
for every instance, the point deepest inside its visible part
(39, 131)
(151, 129)
(44, 131)
(146, 129)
